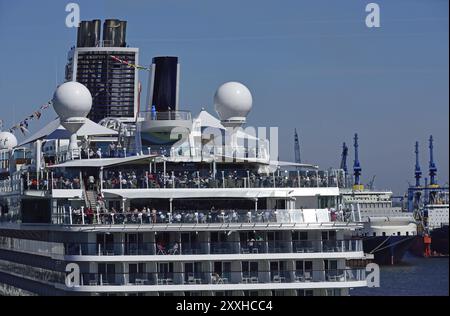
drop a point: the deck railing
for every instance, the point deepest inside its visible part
(227, 277)
(226, 247)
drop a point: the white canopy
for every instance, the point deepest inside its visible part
(207, 120)
(247, 193)
(102, 162)
(54, 130)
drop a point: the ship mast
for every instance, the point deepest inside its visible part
(297, 148)
(356, 166)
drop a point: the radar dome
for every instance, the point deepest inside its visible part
(7, 140)
(233, 101)
(72, 99)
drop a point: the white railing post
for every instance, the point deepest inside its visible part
(317, 178)
(146, 179)
(120, 180)
(223, 179)
(70, 215)
(164, 171)
(248, 178)
(101, 179)
(82, 215)
(298, 178)
(98, 214)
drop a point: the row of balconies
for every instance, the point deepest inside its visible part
(238, 277)
(233, 247)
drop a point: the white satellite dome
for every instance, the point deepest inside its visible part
(72, 99)
(233, 101)
(7, 141)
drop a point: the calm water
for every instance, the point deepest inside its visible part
(416, 276)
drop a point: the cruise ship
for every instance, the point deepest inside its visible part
(388, 230)
(162, 203)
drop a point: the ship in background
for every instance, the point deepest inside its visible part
(388, 231)
(430, 204)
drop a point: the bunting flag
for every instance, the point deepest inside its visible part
(23, 125)
(129, 64)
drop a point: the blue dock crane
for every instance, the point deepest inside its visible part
(357, 167)
(417, 172)
(432, 166)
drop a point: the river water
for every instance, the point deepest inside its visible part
(416, 276)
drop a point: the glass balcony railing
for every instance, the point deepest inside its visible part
(141, 179)
(217, 278)
(101, 216)
(166, 116)
(228, 247)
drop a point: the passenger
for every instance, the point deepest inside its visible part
(174, 249)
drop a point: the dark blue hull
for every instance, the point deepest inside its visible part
(439, 243)
(387, 250)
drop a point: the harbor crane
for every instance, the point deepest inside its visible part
(357, 167)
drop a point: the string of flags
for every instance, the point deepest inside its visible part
(129, 64)
(36, 115)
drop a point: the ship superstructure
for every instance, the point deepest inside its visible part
(169, 205)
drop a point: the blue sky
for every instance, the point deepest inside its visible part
(310, 65)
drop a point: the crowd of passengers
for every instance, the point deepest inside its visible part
(130, 179)
(148, 215)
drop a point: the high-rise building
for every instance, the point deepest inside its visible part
(113, 85)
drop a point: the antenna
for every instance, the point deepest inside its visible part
(344, 157)
(297, 148)
(417, 172)
(370, 185)
(432, 166)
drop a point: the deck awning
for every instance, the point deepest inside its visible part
(238, 193)
(105, 162)
(54, 130)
